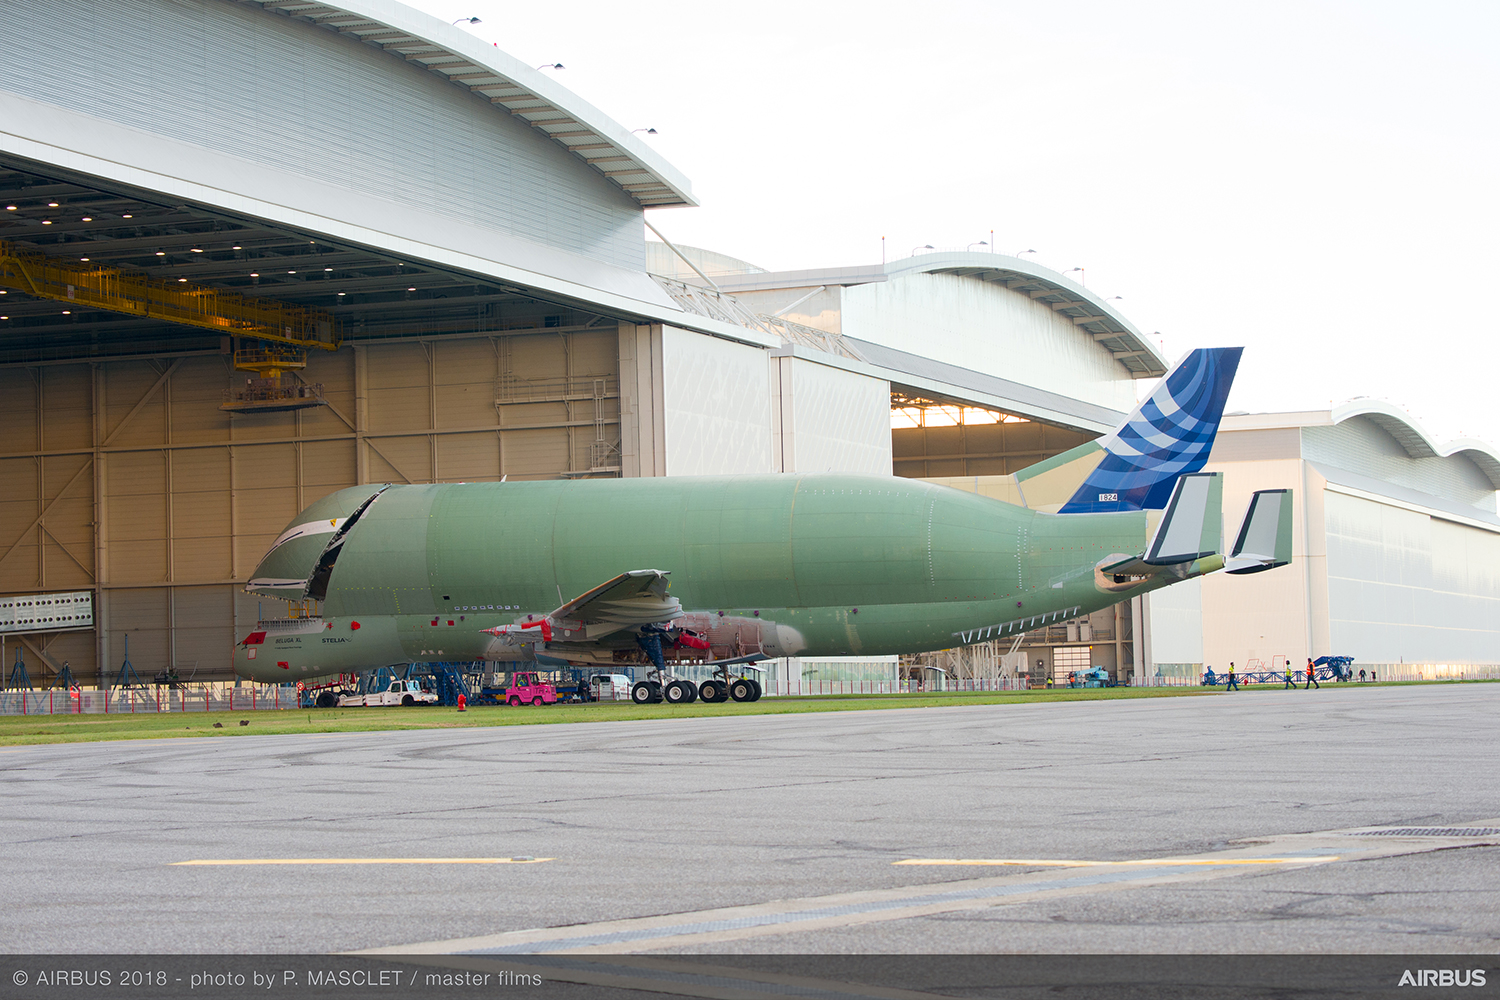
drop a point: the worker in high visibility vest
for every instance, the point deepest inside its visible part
(1312, 681)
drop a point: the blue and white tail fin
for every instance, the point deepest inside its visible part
(1168, 436)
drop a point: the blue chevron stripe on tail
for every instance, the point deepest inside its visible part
(1168, 436)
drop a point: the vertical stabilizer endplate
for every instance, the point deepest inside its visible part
(1264, 540)
(1193, 524)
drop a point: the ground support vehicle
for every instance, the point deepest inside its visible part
(398, 692)
(1096, 677)
(325, 695)
(527, 688)
(609, 687)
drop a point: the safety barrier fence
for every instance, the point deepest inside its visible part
(1373, 672)
(817, 687)
(145, 701)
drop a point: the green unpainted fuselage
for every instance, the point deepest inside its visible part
(786, 565)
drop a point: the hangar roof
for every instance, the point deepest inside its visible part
(1413, 438)
(1090, 313)
(510, 85)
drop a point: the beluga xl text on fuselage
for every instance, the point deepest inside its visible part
(732, 569)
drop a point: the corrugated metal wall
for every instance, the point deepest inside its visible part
(1403, 585)
(237, 79)
(190, 497)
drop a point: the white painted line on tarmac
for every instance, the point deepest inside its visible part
(707, 927)
(1146, 862)
(365, 861)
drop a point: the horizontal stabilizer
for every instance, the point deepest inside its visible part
(1193, 523)
(1264, 540)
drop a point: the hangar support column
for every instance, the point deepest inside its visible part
(643, 449)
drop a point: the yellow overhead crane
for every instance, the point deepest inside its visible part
(285, 332)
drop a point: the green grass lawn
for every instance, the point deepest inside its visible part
(16, 730)
(20, 730)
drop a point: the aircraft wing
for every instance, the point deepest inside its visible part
(638, 597)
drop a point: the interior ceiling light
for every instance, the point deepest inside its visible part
(127, 215)
(182, 281)
(291, 272)
(255, 274)
(411, 289)
(67, 312)
(328, 269)
(197, 250)
(10, 208)
(341, 294)
(4, 317)
(88, 218)
(161, 253)
(51, 204)
(46, 222)
(236, 247)
(84, 259)
(3, 292)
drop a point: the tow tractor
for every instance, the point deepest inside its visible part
(398, 692)
(526, 688)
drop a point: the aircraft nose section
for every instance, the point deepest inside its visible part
(284, 570)
(247, 654)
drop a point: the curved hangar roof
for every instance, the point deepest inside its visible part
(510, 85)
(1415, 440)
(1090, 313)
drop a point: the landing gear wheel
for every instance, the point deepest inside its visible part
(676, 693)
(641, 693)
(655, 692)
(756, 685)
(740, 690)
(712, 692)
(326, 699)
(692, 691)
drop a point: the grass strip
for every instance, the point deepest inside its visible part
(22, 730)
(17, 730)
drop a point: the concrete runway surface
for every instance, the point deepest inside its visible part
(1225, 822)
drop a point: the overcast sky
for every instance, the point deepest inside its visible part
(1315, 181)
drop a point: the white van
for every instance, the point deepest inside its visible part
(610, 687)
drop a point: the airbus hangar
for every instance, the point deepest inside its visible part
(255, 252)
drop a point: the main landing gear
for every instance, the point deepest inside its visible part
(660, 685)
(683, 692)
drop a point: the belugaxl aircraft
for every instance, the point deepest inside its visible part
(728, 570)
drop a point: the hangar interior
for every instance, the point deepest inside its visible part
(430, 264)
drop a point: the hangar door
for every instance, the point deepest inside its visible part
(189, 496)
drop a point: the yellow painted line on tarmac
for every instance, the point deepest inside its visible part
(365, 861)
(1149, 862)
